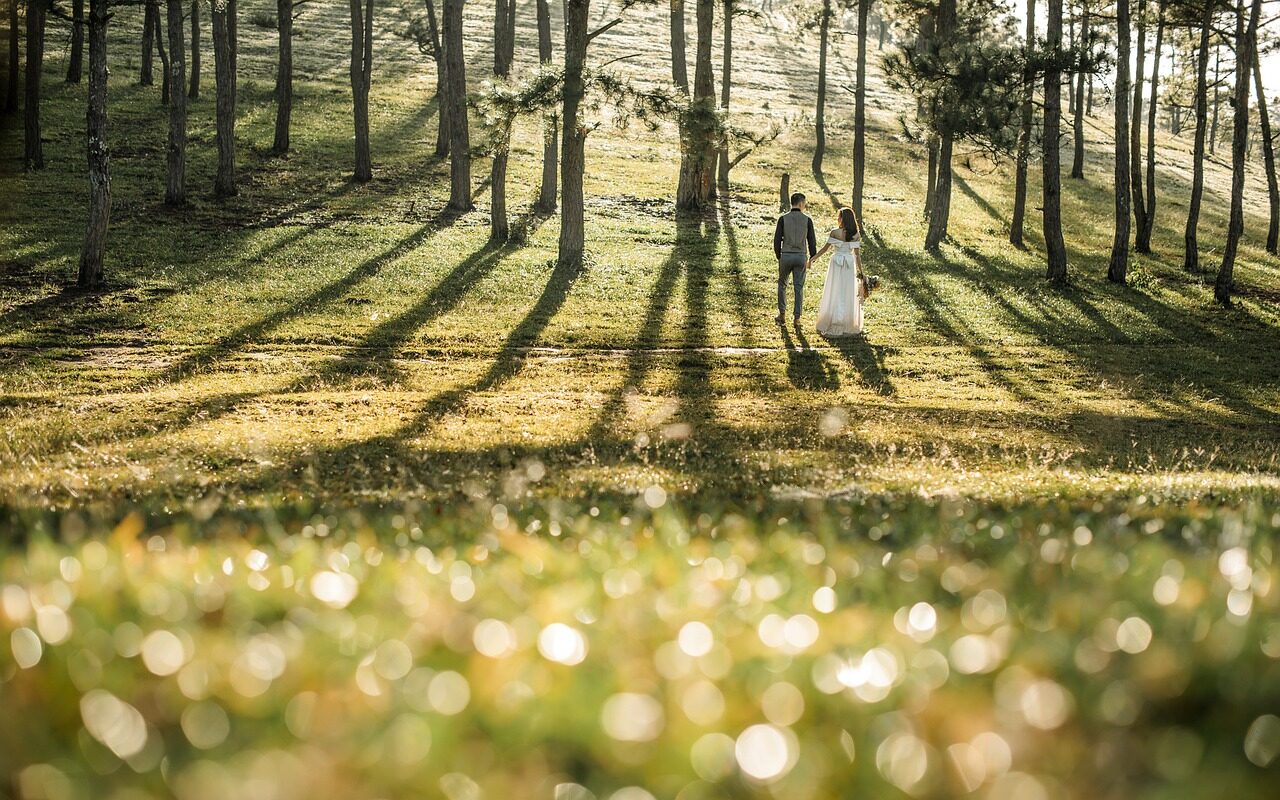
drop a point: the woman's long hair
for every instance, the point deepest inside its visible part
(849, 222)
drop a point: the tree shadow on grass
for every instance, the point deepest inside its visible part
(807, 368)
(868, 361)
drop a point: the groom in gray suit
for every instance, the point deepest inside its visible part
(794, 244)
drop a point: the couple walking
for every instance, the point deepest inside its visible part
(796, 247)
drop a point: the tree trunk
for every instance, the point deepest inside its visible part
(699, 138)
(1191, 248)
(1268, 156)
(784, 192)
(162, 51)
(1135, 121)
(1213, 119)
(284, 75)
(1077, 162)
(95, 239)
(504, 42)
(75, 61)
(459, 130)
(148, 44)
(550, 121)
(819, 116)
(1051, 167)
(361, 74)
(860, 109)
(726, 73)
(679, 62)
(33, 156)
(175, 191)
(1143, 242)
(442, 82)
(1246, 43)
(880, 41)
(1118, 268)
(1024, 135)
(940, 212)
(11, 91)
(194, 92)
(931, 177)
(224, 183)
(572, 236)
(1071, 76)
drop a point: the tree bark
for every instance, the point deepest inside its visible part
(572, 235)
(442, 81)
(860, 109)
(550, 121)
(75, 60)
(11, 91)
(679, 62)
(1268, 157)
(194, 92)
(1024, 135)
(459, 130)
(698, 139)
(224, 184)
(1135, 121)
(1077, 161)
(1051, 166)
(284, 75)
(1246, 43)
(504, 40)
(361, 76)
(1143, 240)
(93, 253)
(33, 156)
(1213, 119)
(820, 112)
(726, 75)
(1191, 248)
(1118, 268)
(162, 51)
(940, 212)
(149, 34)
(175, 191)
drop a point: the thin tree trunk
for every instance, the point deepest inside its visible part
(148, 44)
(33, 156)
(1077, 161)
(1135, 126)
(726, 72)
(459, 130)
(11, 91)
(931, 177)
(860, 109)
(1088, 110)
(194, 92)
(679, 61)
(698, 140)
(1055, 250)
(1268, 156)
(504, 42)
(161, 51)
(1143, 242)
(1191, 248)
(1024, 135)
(819, 116)
(442, 81)
(284, 75)
(940, 213)
(93, 253)
(550, 121)
(880, 40)
(224, 184)
(1118, 268)
(1246, 39)
(1213, 119)
(75, 61)
(572, 235)
(1071, 76)
(704, 90)
(361, 75)
(175, 191)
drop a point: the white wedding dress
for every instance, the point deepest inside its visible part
(840, 311)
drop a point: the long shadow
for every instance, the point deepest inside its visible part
(739, 290)
(807, 368)
(979, 200)
(821, 180)
(868, 360)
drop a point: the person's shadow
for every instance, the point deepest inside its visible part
(868, 360)
(807, 368)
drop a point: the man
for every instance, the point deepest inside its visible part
(794, 244)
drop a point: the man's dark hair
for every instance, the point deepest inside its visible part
(797, 198)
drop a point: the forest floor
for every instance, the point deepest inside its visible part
(316, 337)
(325, 497)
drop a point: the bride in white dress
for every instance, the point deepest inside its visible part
(840, 311)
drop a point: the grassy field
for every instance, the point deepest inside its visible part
(324, 496)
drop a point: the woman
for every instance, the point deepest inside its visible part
(840, 311)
